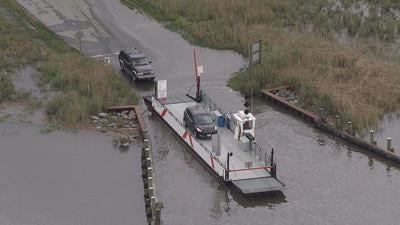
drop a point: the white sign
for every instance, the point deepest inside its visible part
(255, 53)
(161, 89)
(107, 60)
(200, 70)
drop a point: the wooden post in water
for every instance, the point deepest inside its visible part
(146, 153)
(148, 162)
(149, 171)
(338, 125)
(389, 145)
(157, 214)
(371, 137)
(151, 192)
(150, 182)
(350, 127)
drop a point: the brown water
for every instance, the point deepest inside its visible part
(328, 182)
(65, 177)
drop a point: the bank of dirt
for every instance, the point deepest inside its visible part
(357, 80)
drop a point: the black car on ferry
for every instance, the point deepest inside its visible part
(200, 122)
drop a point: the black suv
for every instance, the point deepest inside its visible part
(199, 121)
(136, 64)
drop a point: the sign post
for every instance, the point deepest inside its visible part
(255, 53)
(161, 90)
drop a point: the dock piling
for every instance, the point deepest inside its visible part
(371, 137)
(147, 153)
(148, 162)
(350, 128)
(338, 124)
(389, 145)
(152, 211)
(150, 182)
(157, 216)
(149, 172)
(151, 192)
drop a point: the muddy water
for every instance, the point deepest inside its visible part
(65, 178)
(389, 127)
(328, 182)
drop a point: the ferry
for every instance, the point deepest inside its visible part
(231, 152)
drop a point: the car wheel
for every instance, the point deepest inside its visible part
(196, 134)
(122, 67)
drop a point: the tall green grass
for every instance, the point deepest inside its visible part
(357, 80)
(81, 86)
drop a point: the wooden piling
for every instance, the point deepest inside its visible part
(151, 192)
(153, 201)
(149, 172)
(152, 211)
(338, 123)
(371, 137)
(150, 182)
(147, 153)
(389, 145)
(157, 216)
(350, 124)
(148, 162)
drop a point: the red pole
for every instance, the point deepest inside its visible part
(196, 76)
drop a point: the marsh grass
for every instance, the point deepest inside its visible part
(83, 86)
(357, 81)
(7, 89)
(87, 87)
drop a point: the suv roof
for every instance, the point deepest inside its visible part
(133, 52)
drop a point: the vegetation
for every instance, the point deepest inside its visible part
(6, 87)
(82, 86)
(87, 86)
(356, 80)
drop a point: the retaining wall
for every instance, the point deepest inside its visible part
(319, 123)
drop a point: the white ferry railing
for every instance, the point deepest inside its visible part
(262, 155)
(210, 104)
(255, 149)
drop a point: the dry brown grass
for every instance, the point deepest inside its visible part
(345, 80)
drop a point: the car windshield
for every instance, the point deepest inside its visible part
(141, 61)
(203, 119)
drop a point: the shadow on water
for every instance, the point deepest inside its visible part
(269, 199)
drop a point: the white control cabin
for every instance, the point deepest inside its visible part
(243, 123)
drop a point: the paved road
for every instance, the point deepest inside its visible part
(328, 182)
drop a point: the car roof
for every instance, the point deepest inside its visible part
(133, 52)
(196, 110)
